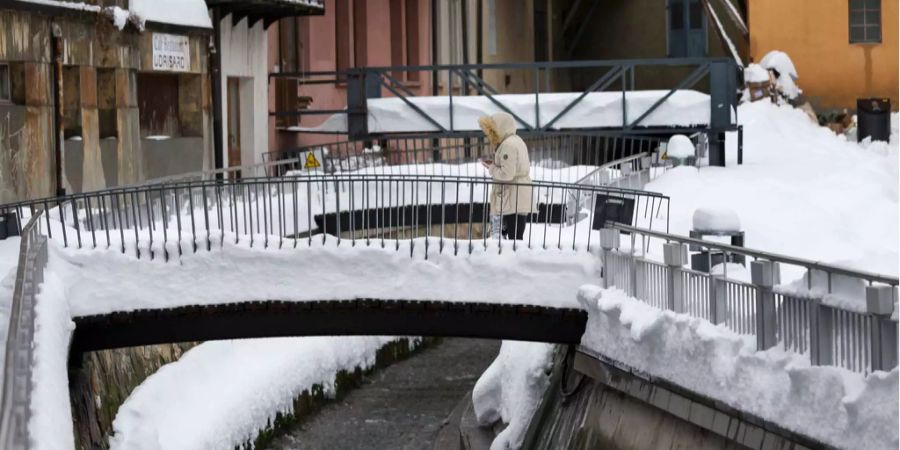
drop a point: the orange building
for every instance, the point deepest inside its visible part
(842, 49)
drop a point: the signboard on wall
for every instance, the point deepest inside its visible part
(171, 52)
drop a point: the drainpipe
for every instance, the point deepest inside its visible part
(215, 62)
(434, 46)
(56, 75)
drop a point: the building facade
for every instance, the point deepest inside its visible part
(99, 95)
(843, 49)
(351, 33)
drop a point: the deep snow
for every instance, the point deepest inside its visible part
(840, 407)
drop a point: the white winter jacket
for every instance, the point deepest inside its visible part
(511, 165)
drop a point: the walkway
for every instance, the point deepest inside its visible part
(403, 406)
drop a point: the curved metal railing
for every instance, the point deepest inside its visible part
(15, 399)
(294, 209)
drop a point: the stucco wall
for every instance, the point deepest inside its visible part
(244, 55)
(815, 33)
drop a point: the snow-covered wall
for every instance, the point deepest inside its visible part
(244, 55)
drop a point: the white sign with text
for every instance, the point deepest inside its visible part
(171, 52)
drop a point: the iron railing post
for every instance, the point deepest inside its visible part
(880, 306)
(609, 241)
(821, 333)
(765, 275)
(675, 257)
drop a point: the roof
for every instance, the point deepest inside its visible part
(267, 10)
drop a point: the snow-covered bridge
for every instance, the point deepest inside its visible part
(381, 251)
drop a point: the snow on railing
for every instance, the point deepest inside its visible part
(834, 331)
(167, 219)
(15, 398)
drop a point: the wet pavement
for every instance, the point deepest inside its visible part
(402, 406)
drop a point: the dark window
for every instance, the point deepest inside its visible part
(71, 102)
(865, 21)
(687, 29)
(5, 91)
(342, 34)
(405, 37)
(412, 37)
(158, 104)
(106, 102)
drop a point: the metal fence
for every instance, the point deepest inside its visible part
(861, 339)
(15, 399)
(445, 212)
(453, 155)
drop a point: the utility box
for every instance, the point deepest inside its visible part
(873, 116)
(9, 225)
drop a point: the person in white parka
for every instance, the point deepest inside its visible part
(511, 199)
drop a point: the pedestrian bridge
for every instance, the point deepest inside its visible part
(390, 254)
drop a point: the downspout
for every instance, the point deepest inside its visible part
(215, 61)
(434, 46)
(56, 55)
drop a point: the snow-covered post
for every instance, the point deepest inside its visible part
(880, 305)
(765, 275)
(821, 333)
(675, 256)
(609, 241)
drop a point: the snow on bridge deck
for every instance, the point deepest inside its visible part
(596, 110)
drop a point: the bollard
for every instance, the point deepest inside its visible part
(765, 275)
(880, 305)
(674, 257)
(609, 241)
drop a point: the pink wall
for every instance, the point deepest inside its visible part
(318, 32)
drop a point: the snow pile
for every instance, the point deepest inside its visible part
(755, 73)
(50, 425)
(189, 13)
(839, 407)
(680, 147)
(221, 394)
(802, 191)
(785, 73)
(716, 219)
(511, 389)
(596, 109)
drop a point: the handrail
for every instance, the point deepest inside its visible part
(15, 397)
(759, 254)
(206, 173)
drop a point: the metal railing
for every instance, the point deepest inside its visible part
(614, 76)
(430, 211)
(566, 156)
(807, 321)
(15, 399)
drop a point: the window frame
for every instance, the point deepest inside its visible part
(865, 26)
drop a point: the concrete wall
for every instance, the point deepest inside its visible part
(244, 55)
(105, 380)
(815, 33)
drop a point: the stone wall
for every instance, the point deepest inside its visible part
(104, 381)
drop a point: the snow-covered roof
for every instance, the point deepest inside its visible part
(188, 13)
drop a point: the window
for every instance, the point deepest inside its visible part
(291, 58)
(350, 33)
(686, 28)
(106, 102)
(5, 90)
(865, 21)
(158, 104)
(405, 37)
(71, 102)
